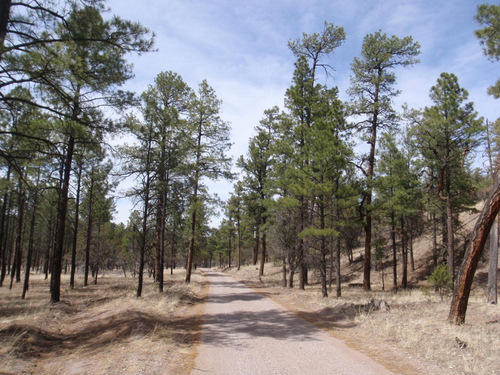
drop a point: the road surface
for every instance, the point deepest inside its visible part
(245, 332)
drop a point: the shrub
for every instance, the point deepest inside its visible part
(441, 279)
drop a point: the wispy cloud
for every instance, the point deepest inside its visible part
(240, 47)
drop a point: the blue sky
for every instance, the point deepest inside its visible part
(240, 48)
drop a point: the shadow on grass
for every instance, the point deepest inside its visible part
(82, 322)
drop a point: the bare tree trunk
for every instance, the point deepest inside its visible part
(75, 232)
(62, 210)
(89, 230)
(4, 22)
(239, 243)
(493, 266)
(300, 257)
(368, 199)
(493, 259)
(284, 271)
(257, 244)
(394, 254)
(192, 233)
(31, 241)
(16, 266)
(450, 238)
(410, 245)
(324, 290)
(143, 239)
(472, 254)
(263, 259)
(291, 272)
(434, 240)
(404, 255)
(160, 240)
(4, 230)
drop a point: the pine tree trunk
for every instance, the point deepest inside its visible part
(264, 255)
(192, 233)
(367, 259)
(4, 230)
(16, 266)
(257, 244)
(472, 255)
(284, 271)
(5, 6)
(143, 241)
(404, 255)
(160, 240)
(450, 238)
(291, 272)
(300, 257)
(75, 232)
(434, 240)
(239, 243)
(89, 230)
(493, 266)
(62, 210)
(410, 247)
(31, 241)
(394, 254)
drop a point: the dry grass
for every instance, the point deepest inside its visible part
(105, 329)
(101, 329)
(412, 334)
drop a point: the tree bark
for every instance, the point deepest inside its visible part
(62, 209)
(5, 6)
(256, 244)
(450, 238)
(192, 233)
(472, 255)
(434, 240)
(264, 249)
(75, 231)
(394, 254)
(16, 266)
(239, 242)
(404, 255)
(4, 230)
(493, 266)
(89, 230)
(160, 240)
(284, 271)
(143, 236)
(31, 241)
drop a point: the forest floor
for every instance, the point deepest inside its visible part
(105, 329)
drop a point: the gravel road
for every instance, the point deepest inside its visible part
(245, 332)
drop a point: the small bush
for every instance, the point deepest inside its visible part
(441, 279)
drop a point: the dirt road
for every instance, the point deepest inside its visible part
(246, 333)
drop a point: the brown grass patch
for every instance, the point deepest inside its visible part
(103, 328)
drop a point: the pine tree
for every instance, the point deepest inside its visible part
(209, 137)
(371, 92)
(446, 133)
